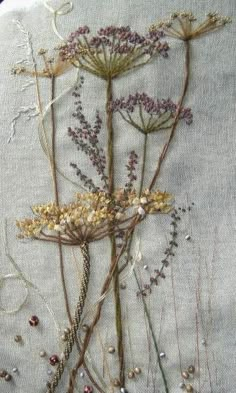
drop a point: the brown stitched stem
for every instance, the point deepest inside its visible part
(51, 387)
(105, 287)
(55, 182)
(143, 163)
(110, 154)
(181, 100)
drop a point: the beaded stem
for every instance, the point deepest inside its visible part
(75, 322)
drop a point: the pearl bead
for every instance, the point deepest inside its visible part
(131, 374)
(189, 388)
(66, 331)
(162, 355)
(111, 350)
(116, 382)
(8, 377)
(88, 389)
(15, 370)
(145, 267)
(34, 321)
(18, 339)
(182, 385)
(191, 369)
(3, 373)
(185, 374)
(54, 360)
(187, 237)
(137, 370)
(42, 354)
(81, 374)
(64, 337)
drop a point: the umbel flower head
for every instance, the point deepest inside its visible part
(52, 67)
(92, 216)
(113, 51)
(184, 25)
(147, 114)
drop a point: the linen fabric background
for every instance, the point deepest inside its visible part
(199, 168)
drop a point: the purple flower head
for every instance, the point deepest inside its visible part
(148, 114)
(113, 51)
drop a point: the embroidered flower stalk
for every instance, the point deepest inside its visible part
(182, 26)
(149, 115)
(88, 219)
(109, 54)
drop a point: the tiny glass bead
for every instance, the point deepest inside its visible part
(85, 328)
(123, 390)
(162, 355)
(182, 385)
(8, 377)
(187, 237)
(111, 350)
(185, 374)
(88, 389)
(42, 354)
(191, 369)
(49, 372)
(81, 374)
(145, 267)
(189, 388)
(116, 382)
(137, 370)
(54, 359)
(34, 321)
(131, 375)
(66, 331)
(122, 285)
(15, 370)
(18, 339)
(3, 373)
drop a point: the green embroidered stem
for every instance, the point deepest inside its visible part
(180, 103)
(75, 322)
(116, 286)
(143, 162)
(153, 337)
(55, 183)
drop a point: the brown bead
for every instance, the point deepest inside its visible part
(191, 369)
(137, 370)
(18, 339)
(3, 373)
(8, 377)
(131, 374)
(116, 382)
(189, 388)
(185, 374)
(64, 337)
(34, 321)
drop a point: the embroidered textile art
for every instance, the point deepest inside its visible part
(117, 198)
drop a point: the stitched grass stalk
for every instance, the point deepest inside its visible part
(56, 193)
(180, 103)
(118, 315)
